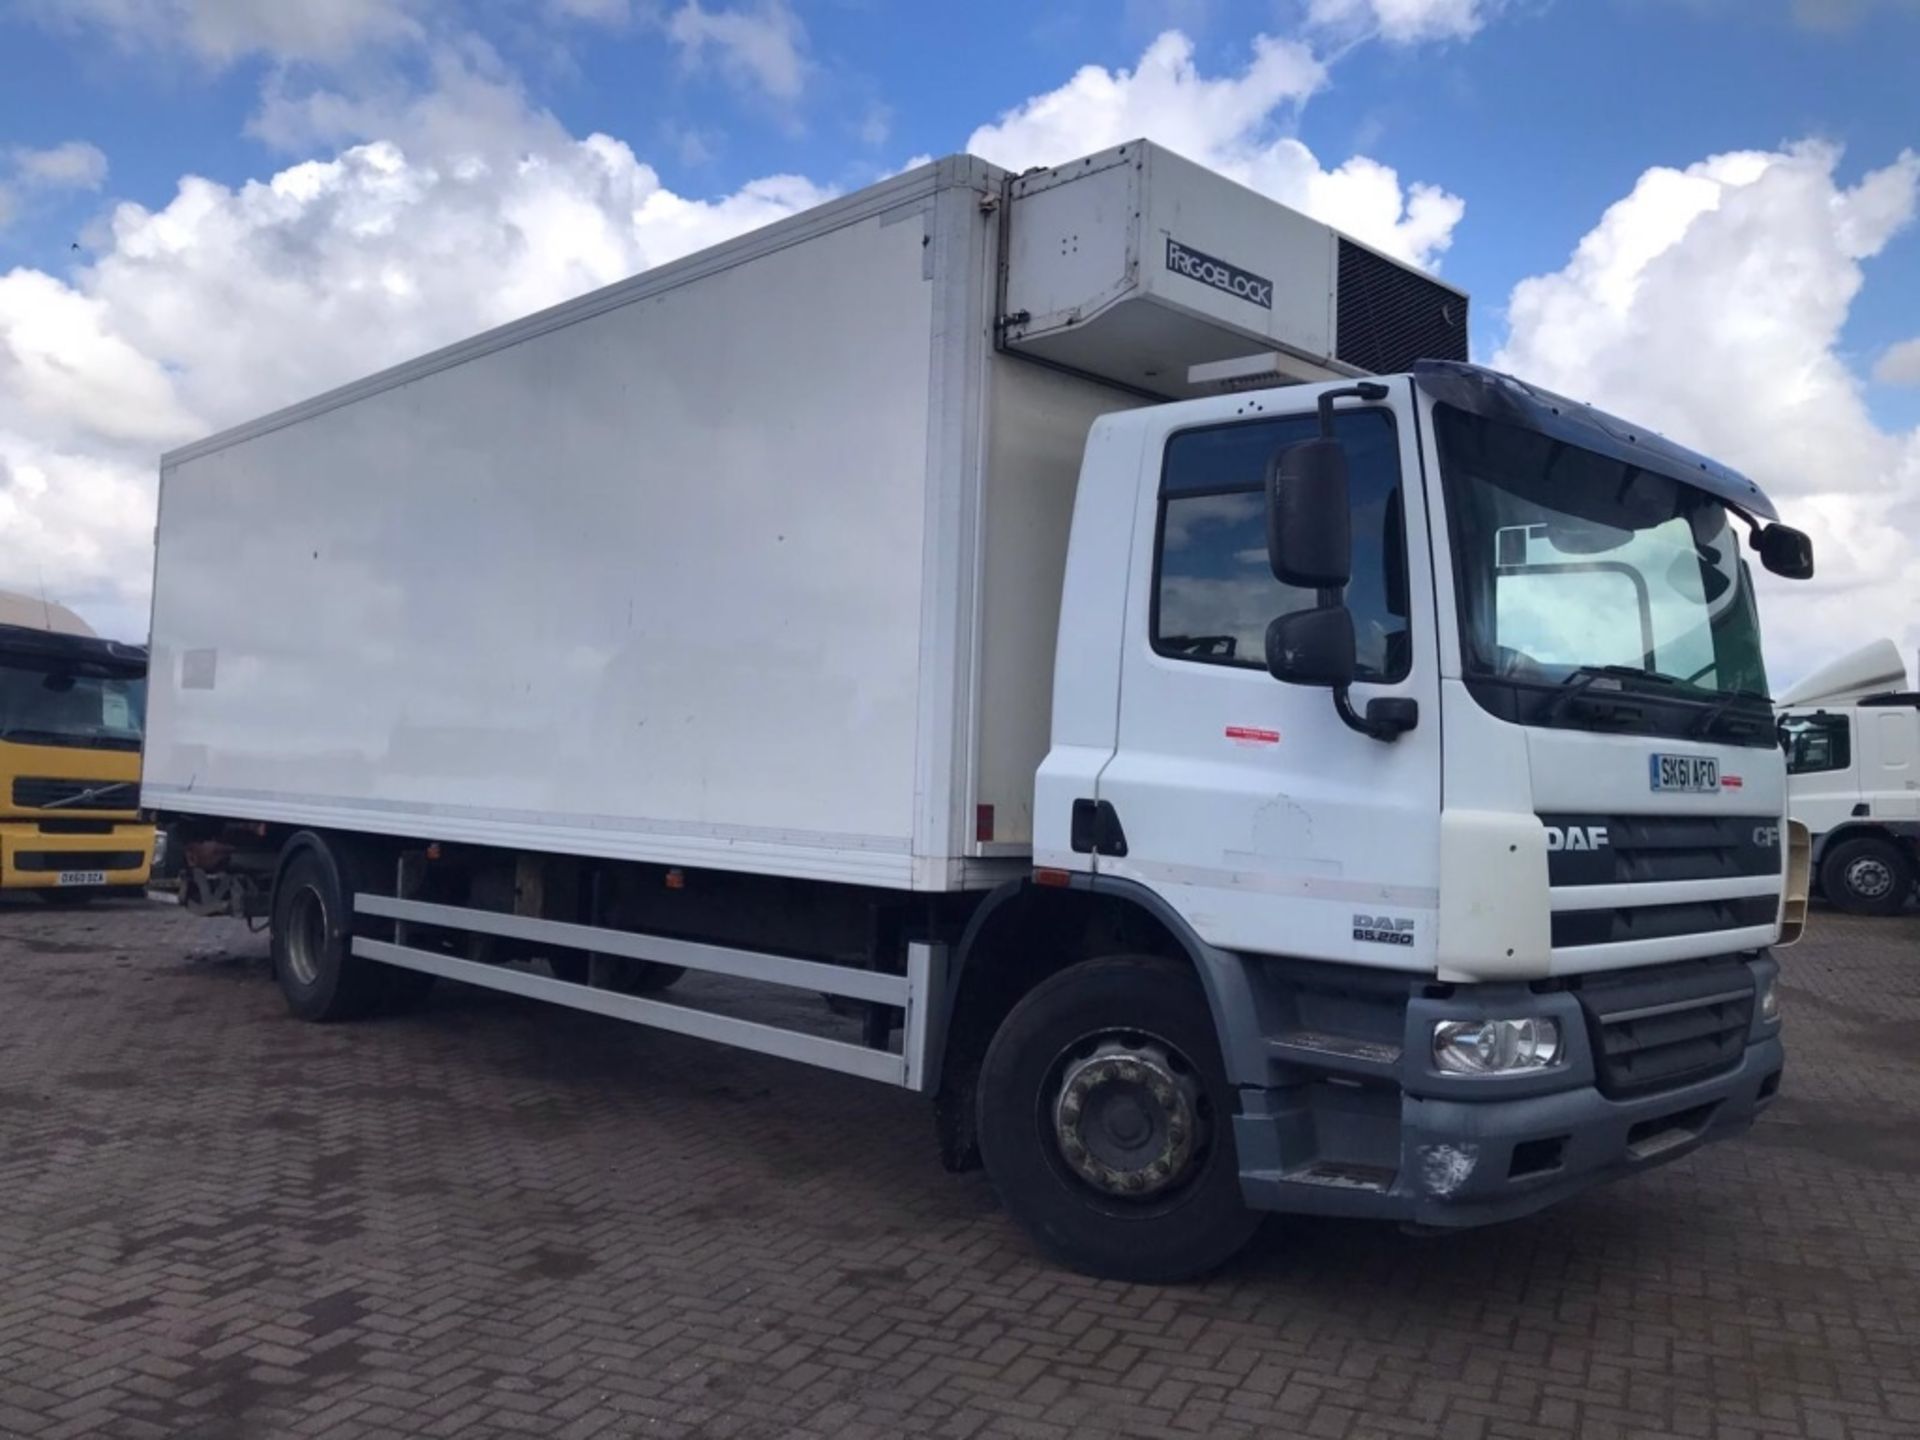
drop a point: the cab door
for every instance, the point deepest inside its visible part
(1894, 733)
(1248, 804)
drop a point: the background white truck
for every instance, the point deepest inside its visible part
(1852, 736)
(890, 604)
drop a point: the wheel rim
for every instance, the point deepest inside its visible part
(306, 934)
(1869, 877)
(1128, 1118)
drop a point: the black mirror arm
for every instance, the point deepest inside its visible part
(1370, 390)
(1387, 718)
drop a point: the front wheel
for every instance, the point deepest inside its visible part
(1867, 876)
(1106, 1123)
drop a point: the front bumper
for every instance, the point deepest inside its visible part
(32, 859)
(1381, 1136)
(1474, 1162)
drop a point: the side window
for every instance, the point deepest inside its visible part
(1816, 742)
(1213, 591)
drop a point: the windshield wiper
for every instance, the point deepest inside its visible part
(1579, 683)
(1703, 723)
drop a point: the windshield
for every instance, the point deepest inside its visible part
(41, 706)
(1576, 570)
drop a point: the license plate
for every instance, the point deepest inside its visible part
(1685, 772)
(81, 877)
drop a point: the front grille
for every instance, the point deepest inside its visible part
(34, 792)
(1638, 849)
(1587, 850)
(1654, 1030)
(1388, 316)
(1657, 922)
(74, 827)
(45, 862)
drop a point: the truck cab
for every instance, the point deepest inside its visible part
(1433, 708)
(1851, 733)
(71, 713)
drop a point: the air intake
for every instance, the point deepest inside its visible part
(1387, 316)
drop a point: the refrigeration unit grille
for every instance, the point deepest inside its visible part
(1387, 316)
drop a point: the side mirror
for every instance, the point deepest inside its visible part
(1309, 524)
(1785, 551)
(1312, 647)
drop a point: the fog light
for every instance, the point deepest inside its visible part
(1769, 1001)
(1496, 1047)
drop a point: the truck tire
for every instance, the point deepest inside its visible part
(1870, 875)
(627, 977)
(312, 935)
(1106, 1123)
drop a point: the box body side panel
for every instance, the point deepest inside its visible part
(648, 585)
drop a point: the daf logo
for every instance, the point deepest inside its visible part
(1577, 837)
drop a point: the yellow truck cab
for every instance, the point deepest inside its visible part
(72, 709)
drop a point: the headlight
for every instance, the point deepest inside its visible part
(1769, 1001)
(1496, 1047)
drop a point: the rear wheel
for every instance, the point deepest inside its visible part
(1867, 876)
(1106, 1123)
(312, 941)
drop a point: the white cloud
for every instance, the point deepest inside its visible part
(1404, 22)
(228, 302)
(1229, 123)
(1900, 364)
(876, 125)
(72, 165)
(606, 12)
(66, 372)
(222, 31)
(760, 50)
(435, 213)
(1709, 305)
(1841, 15)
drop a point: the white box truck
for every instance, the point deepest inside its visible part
(1851, 731)
(1012, 606)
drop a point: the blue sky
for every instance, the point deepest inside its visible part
(1534, 116)
(1540, 120)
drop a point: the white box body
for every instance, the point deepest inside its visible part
(751, 561)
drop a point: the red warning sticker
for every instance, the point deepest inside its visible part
(1249, 735)
(1731, 782)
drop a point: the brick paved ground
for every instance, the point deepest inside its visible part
(498, 1219)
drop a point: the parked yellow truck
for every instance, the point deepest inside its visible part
(72, 709)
